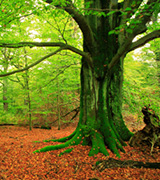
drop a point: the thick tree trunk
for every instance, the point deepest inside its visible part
(100, 122)
(115, 98)
(100, 115)
(97, 112)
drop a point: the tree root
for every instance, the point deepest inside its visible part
(75, 140)
(112, 163)
(98, 145)
(64, 139)
(88, 137)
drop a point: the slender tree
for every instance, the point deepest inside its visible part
(158, 65)
(27, 100)
(108, 28)
(6, 58)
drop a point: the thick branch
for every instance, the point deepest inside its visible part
(122, 50)
(80, 19)
(33, 64)
(145, 39)
(44, 44)
(50, 44)
(144, 16)
(129, 46)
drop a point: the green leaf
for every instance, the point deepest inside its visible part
(110, 13)
(112, 32)
(128, 9)
(129, 30)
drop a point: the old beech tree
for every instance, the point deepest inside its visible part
(107, 37)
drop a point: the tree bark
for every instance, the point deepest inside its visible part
(27, 100)
(5, 87)
(5, 80)
(115, 96)
(98, 115)
(112, 163)
(158, 65)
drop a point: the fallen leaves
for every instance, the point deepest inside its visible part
(17, 160)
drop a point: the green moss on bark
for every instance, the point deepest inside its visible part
(98, 144)
(64, 139)
(66, 151)
(75, 140)
(96, 125)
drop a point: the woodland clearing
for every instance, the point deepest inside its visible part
(17, 160)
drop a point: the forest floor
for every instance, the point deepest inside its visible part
(17, 161)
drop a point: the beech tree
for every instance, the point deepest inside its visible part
(109, 28)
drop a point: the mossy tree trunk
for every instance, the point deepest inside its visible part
(101, 123)
(97, 113)
(115, 99)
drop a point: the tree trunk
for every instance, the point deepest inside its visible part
(58, 105)
(100, 114)
(27, 99)
(5, 80)
(158, 65)
(5, 87)
(115, 96)
(100, 122)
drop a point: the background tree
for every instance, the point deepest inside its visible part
(108, 29)
(5, 60)
(42, 78)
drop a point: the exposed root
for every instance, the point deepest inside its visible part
(64, 139)
(112, 163)
(112, 140)
(117, 135)
(75, 140)
(98, 145)
(89, 137)
(66, 151)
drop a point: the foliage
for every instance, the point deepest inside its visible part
(57, 69)
(9, 118)
(141, 86)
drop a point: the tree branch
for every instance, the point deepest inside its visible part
(80, 19)
(143, 16)
(145, 39)
(33, 64)
(61, 72)
(124, 18)
(44, 44)
(122, 50)
(129, 46)
(63, 46)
